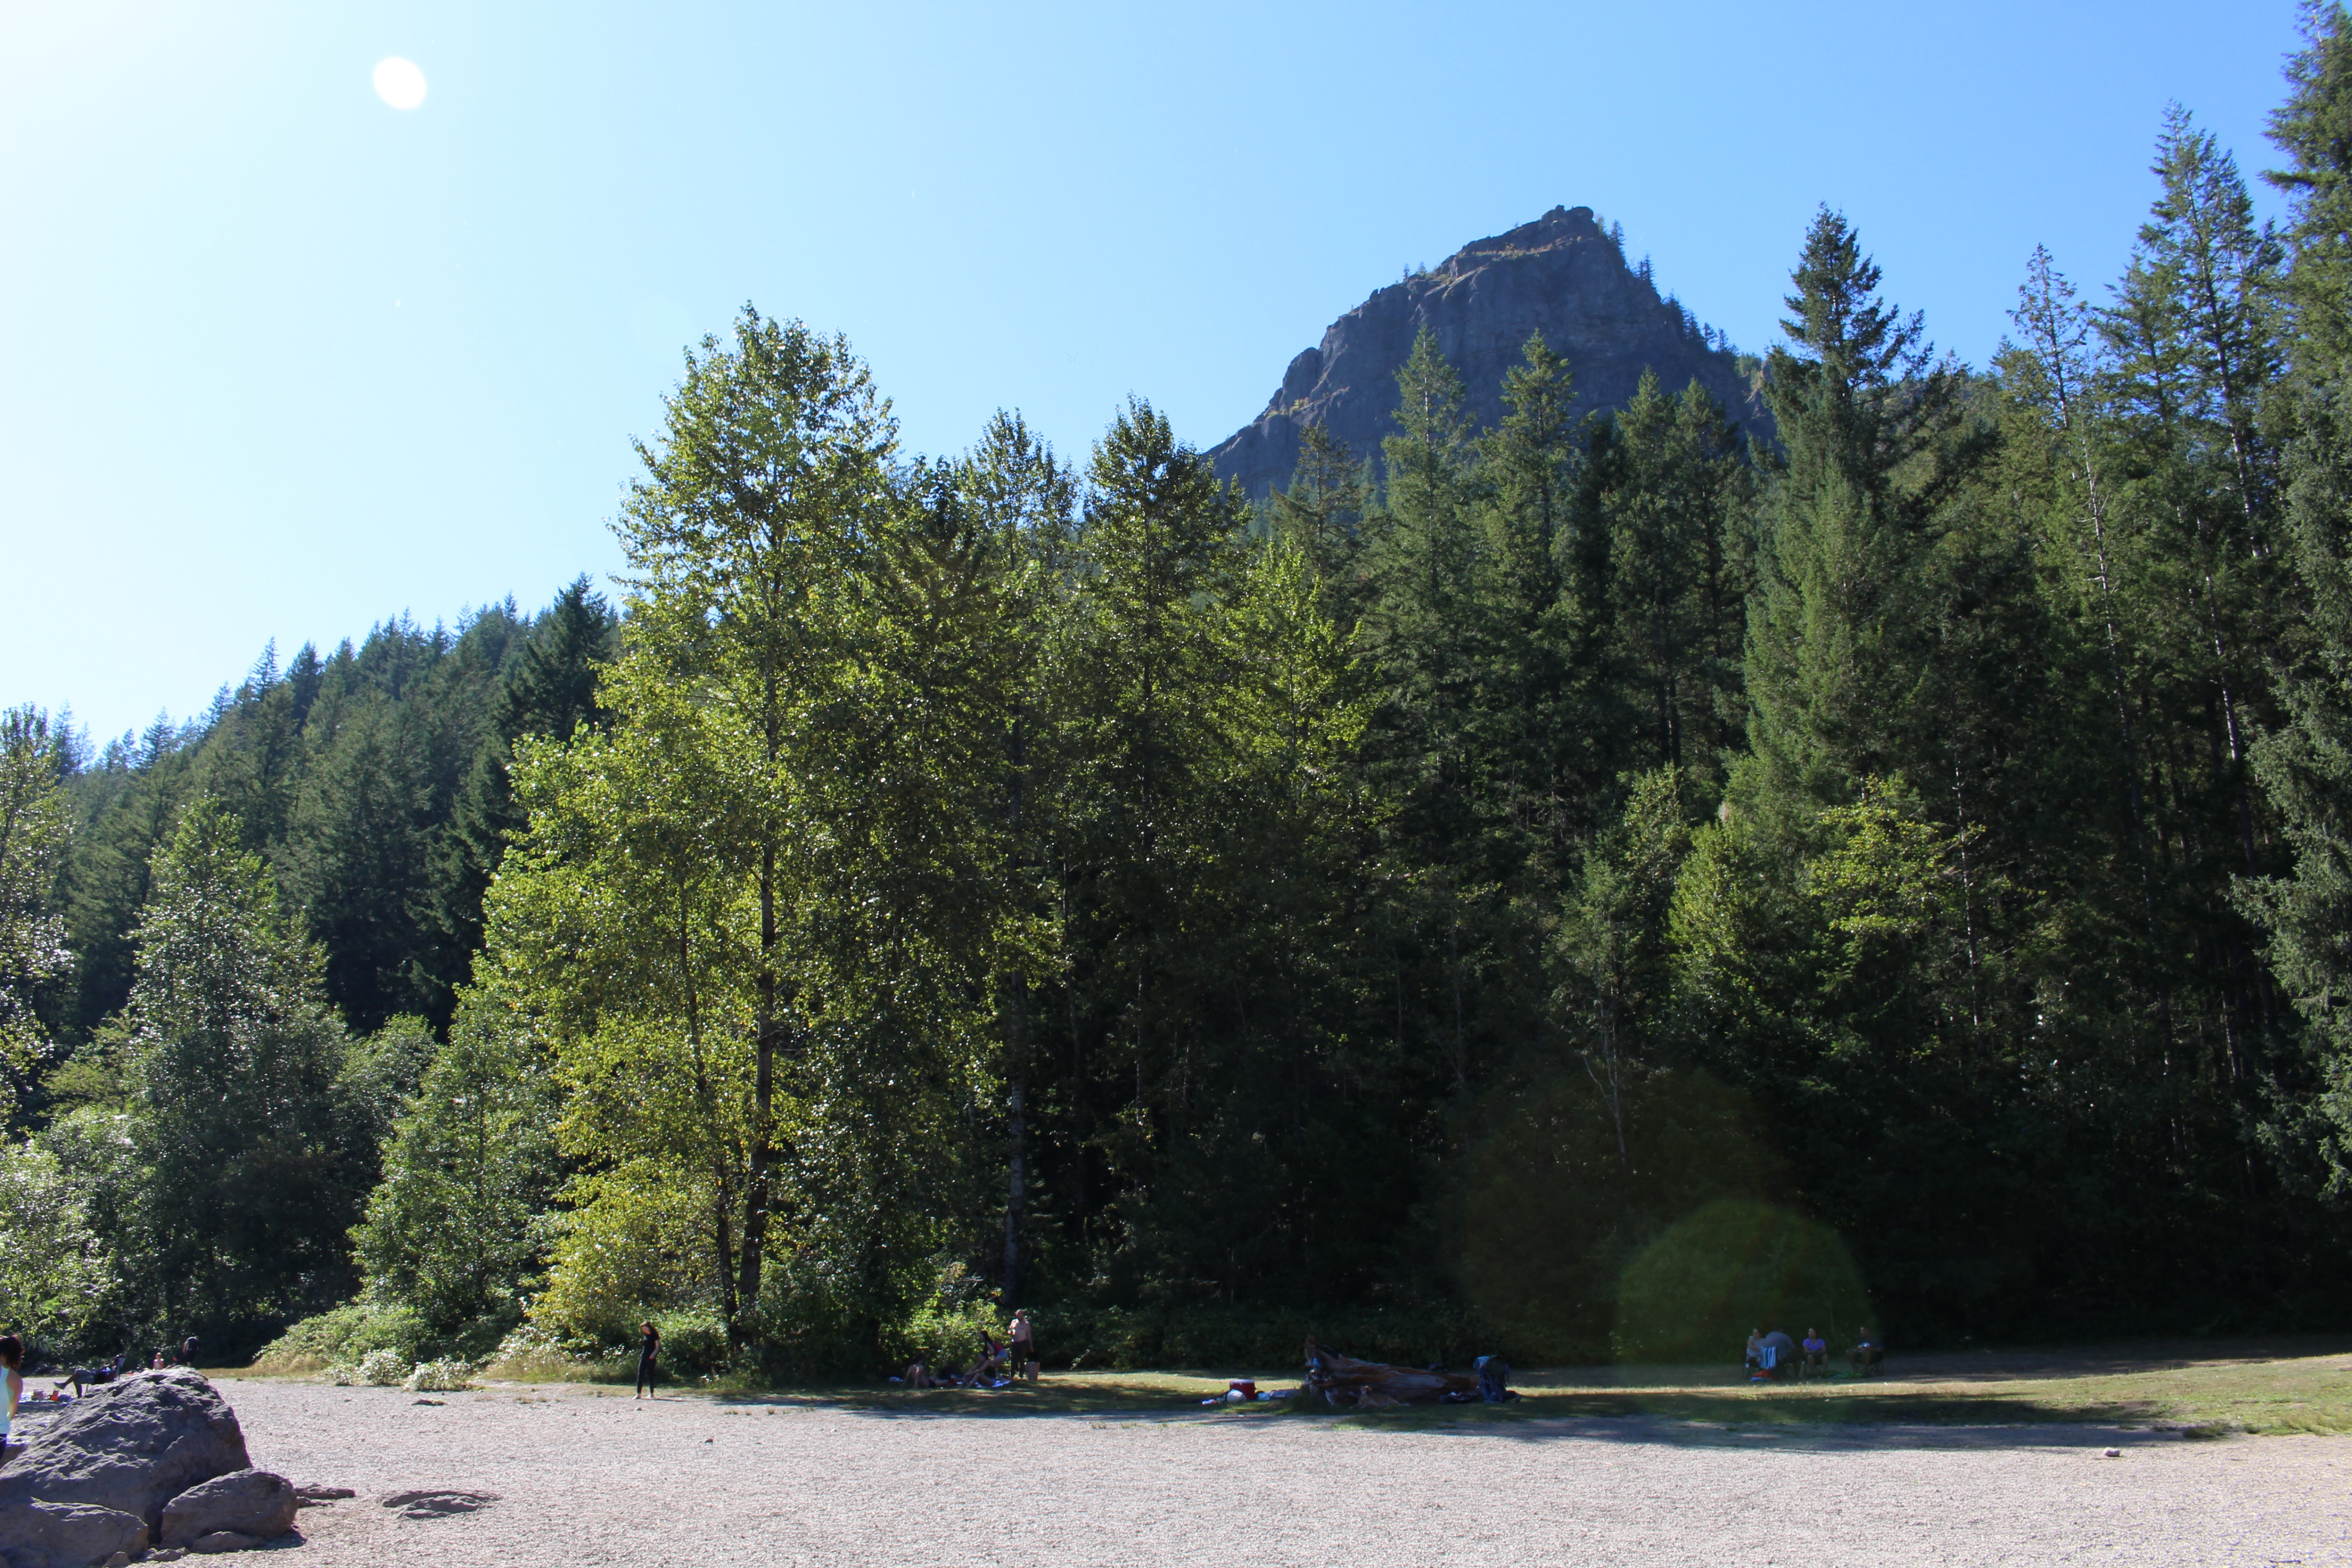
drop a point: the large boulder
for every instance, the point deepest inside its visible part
(66, 1535)
(249, 1502)
(131, 1446)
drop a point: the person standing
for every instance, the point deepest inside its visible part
(1024, 1345)
(11, 1387)
(647, 1350)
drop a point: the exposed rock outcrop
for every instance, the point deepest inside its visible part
(1559, 274)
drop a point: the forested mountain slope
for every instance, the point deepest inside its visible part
(1562, 276)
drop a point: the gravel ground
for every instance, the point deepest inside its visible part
(583, 1475)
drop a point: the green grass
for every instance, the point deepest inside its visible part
(2210, 1389)
(2205, 1391)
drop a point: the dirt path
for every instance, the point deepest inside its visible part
(586, 1476)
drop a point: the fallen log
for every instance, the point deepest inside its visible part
(1346, 1384)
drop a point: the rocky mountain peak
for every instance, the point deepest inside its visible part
(1562, 274)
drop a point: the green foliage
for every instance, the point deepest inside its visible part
(254, 1155)
(53, 1274)
(345, 1336)
(34, 832)
(456, 1227)
(2305, 764)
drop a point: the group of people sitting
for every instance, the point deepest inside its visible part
(1014, 1356)
(122, 1365)
(1776, 1355)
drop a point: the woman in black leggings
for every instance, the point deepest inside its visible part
(645, 1353)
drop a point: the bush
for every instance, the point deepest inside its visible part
(345, 1336)
(693, 1344)
(382, 1369)
(531, 1354)
(940, 1333)
(439, 1377)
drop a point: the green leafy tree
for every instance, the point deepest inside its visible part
(457, 1229)
(54, 1277)
(33, 834)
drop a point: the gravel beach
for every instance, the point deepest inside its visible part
(585, 1474)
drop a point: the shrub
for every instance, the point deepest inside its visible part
(382, 1369)
(693, 1344)
(531, 1354)
(439, 1377)
(344, 1336)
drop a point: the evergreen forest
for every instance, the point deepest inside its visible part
(1574, 886)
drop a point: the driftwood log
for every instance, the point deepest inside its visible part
(1346, 1384)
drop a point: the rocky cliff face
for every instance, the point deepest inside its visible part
(1559, 274)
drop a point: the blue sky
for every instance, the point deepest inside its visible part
(279, 361)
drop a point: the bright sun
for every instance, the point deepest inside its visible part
(399, 83)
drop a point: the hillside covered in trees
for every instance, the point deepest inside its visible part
(1578, 884)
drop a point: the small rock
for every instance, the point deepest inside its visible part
(428, 1401)
(120, 1559)
(437, 1503)
(323, 1494)
(223, 1541)
(2114, 1452)
(166, 1554)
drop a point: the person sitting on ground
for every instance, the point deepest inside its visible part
(158, 1363)
(991, 1357)
(1816, 1351)
(1779, 1353)
(919, 1376)
(1754, 1359)
(1867, 1352)
(12, 1386)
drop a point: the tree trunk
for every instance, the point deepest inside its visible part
(1016, 1109)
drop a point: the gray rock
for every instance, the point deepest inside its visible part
(66, 1535)
(223, 1541)
(437, 1503)
(132, 1446)
(1559, 274)
(250, 1502)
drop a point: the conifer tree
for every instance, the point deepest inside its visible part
(254, 1159)
(1862, 406)
(1322, 513)
(2305, 766)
